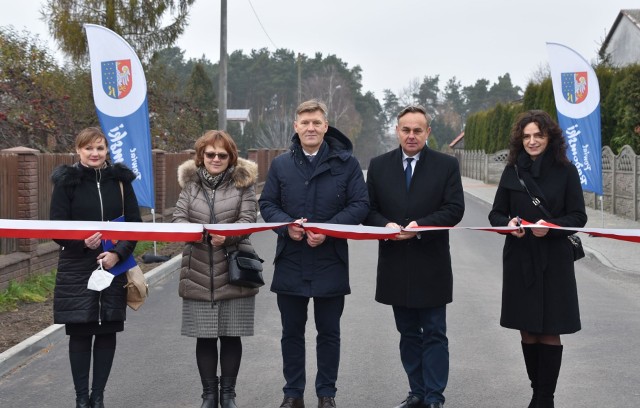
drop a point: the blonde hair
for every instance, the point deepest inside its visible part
(312, 105)
(88, 136)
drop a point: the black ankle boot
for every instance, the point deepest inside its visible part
(97, 399)
(228, 392)
(83, 402)
(530, 352)
(209, 392)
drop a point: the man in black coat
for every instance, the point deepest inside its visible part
(416, 186)
(317, 180)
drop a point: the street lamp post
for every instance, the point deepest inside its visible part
(222, 83)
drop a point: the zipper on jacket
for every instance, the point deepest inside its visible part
(100, 309)
(212, 301)
(211, 270)
(98, 179)
(212, 219)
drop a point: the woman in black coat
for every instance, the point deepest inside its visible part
(91, 191)
(539, 294)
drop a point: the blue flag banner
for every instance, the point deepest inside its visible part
(120, 96)
(577, 96)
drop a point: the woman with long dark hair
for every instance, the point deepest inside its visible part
(539, 293)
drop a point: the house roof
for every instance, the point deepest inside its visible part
(631, 14)
(456, 140)
(241, 115)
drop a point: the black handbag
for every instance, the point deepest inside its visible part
(576, 245)
(245, 269)
(576, 242)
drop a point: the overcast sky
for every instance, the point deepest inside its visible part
(393, 41)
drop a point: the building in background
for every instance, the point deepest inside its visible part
(239, 115)
(622, 45)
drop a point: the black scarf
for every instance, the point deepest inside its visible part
(210, 180)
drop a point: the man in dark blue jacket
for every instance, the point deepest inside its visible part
(317, 180)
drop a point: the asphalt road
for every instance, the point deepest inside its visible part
(155, 366)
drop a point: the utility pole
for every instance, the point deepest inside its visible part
(299, 78)
(222, 83)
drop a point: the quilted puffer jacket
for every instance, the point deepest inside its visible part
(86, 194)
(233, 201)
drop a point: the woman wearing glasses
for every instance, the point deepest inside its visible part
(539, 293)
(217, 187)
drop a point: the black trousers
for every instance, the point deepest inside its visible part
(327, 314)
(424, 350)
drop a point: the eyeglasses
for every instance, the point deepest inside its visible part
(212, 155)
(535, 136)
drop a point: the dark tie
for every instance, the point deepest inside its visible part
(311, 157)
(407, 171)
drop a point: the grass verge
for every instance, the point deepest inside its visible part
(39, 288)
(147, 246)
(32, 290)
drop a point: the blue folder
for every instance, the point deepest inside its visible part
(124, 265)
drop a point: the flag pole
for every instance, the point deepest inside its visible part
(155, 243)
(602, 209)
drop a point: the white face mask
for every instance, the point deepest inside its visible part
(99, 279)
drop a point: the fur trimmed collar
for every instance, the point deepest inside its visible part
(71, 175)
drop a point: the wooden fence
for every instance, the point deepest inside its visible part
(8, 193)
(25, 194)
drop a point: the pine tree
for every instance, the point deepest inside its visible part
(140, 23)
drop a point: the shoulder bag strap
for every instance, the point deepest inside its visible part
(122, 196)
(213, 215)
(535, 200)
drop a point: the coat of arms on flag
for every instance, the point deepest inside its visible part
(575, 86)
(116, 78)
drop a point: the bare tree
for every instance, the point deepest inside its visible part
(276, 125)
(406, 96)
(331, 88)
(542, 72)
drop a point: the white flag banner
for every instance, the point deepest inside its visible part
(120, 95)
(577, 96)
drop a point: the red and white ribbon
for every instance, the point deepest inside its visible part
(631, 235)
(351, 231)
(139, 231)
(229, 230)
(134, 231)
(358, 232)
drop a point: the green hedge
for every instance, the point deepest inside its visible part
(619, 109)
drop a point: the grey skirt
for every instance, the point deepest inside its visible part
(232, 317)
